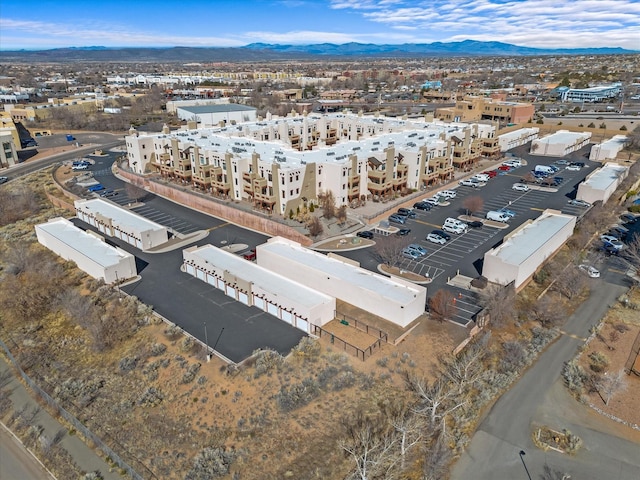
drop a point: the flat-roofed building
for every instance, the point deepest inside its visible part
(393, 299)
(524, 251)
(214, 115)
(601, 183)
(560, 143)
(92, 255)
(251, 284)
(118, 222)
(475, 108)
(609, 149)
(592, 94)
(518, 137)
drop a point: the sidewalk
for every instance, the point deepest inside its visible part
(84, 457)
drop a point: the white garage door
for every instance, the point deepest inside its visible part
(220, 283)
(190, 269)
(287, 316)
(272, 308)
(231, 291)
(200, 274)
(211, 280)
(139, 244)
(243, 298)
(259, 302)
(101, 227)
(302, 324)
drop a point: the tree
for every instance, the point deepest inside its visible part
(437, 458)
(610, 384)
(473, 204)
(570, 282)
(341, 215)
(315, 226)
(388, 250)
(435, 400)
(632, 254)
(134, 192)
(500, 302)
(466, 368)
(547, 311)
(328, 204)
(442, 305)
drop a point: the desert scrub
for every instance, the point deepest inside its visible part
(210, 463)
(157, 349)
(267, 361)
(190, 374)
(297, 395)
(308, 348)
(151, 397)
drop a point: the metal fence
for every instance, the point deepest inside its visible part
(362, 354)
(77, 424)
(363, 327)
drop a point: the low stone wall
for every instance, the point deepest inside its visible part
(210, 206)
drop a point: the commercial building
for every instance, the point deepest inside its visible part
(601, 183)
(9, 141)
(253, 285)
(475, 108)
(393, 299)
(92, 255)
(608, 150)
(518, 137)
(590, 95)
(173, 105)
(217, 114)
(560, 143)
(120, 223)
(279, 164)
(524, 250)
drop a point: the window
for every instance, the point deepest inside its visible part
(297, 191)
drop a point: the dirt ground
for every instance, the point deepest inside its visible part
(616, 346)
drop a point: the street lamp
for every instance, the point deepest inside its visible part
(522, 454)
(206, 341)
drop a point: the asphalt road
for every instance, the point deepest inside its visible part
(16, 463)
(539, 398)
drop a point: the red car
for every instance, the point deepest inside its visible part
(250, 255)
(491, 173)
(504, 168)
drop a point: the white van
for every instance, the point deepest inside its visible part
(543, 169)
(498, 216)
(453, 225)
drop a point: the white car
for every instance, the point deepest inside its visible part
(513, 163)
(482, 177)
(520, 187)
(573, 168)
(469, 183)
(435, 238)
(448, 194)
(432, 201)
(613, 241)
(579, 203)
(589, 270)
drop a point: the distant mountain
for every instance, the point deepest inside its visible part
(267, 52)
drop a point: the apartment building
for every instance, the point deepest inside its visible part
(279, 164)
(475, 108)
(9, 141)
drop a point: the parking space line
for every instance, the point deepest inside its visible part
(427, 223)
(218, 226)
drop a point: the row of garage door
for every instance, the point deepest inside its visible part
(112, 232)
(249, 299)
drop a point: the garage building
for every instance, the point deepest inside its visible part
(608, 150)
(214, 115)
(560, 143)
(120, 223)
(518, 137)
(601, 183)
(92, 255)
(393, 299)
(252, 284)
(524, 250)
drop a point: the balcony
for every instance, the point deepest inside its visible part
(380, 175)
(265, 198)
(379, 187)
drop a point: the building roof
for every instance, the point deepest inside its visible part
(399, 293)
(260, 276)
(218, 108)
(519, 133)
(119, 216)
(523, 243)
(565, 137)
(602, 178)
(82, 242)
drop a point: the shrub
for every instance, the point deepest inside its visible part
(158, 349)
(127, 364)
(150, 397)
(210, 463)
(574, 377)
(297, 395)
(598, 361)
(308, 348)
(187, 344)
(267, 361)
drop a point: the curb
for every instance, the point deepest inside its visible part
(10, 432)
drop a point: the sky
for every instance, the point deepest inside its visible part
(44, 24)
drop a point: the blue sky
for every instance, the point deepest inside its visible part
(218, 23)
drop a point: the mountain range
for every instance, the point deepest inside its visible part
(269, 52)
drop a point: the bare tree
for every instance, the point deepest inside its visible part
(570, 282)
(388, 250)
(436, 459)
(610, 384)
(632, 254)
(315, 226)
(547, 311)
(341, 215)
(473, 204)
(328, 205)
(436, 400)
(598, 218)
(134, 192)
(466, 368)
(410, 431)
(500, 302)
(442, 305)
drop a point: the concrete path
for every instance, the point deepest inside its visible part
(538, 398)
(84, 457)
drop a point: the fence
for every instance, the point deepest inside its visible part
(362, 354)
(79, 426)
(633, 355)
(363, 327)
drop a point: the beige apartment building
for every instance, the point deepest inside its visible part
(279, 164)
(9, 141)
(475, 108)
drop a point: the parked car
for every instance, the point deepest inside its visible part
(442, 233)
(435, 238)
(95, 188)
(609, 249)
(612, 241)
(403, 232)
(432, 201)
(422, 206)
(80, 166)
(578, 164)
(561, 162)
(250, 255)
(469, 183)
(448, 194)
(482, 177)
(589, 270)
(418, 248)
(507, 212)
(579, 203)
(498, 216)
(365, 234)
(625, 217)
(395, 218)
(410, 254)
(513, 163)
(406, 212)
(457, 229)
(520, 187)
(505, 168)
(491, 173)
(475, 224)
(4, 180)
(109, 193)
(573, 168)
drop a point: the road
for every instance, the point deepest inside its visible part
(16, 463)
(540, 398)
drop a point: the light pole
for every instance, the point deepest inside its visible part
(218, 339)
(206, 341)
(522, 454)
